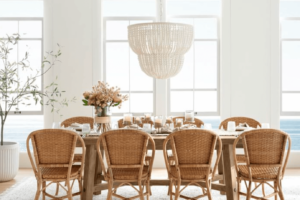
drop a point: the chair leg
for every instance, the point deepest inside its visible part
(57, 188)
(208, 189)
(279, 186)
(238, 188)
(171, 189)
(275, 190)
(148, 189)
(38, 189)
(249, 191)
(263, 189)
(80, 187)
(109, 193)
(69, 190)
(44, 190)
(141, 190)
(177, 190)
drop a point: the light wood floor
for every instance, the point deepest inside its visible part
(156, 174)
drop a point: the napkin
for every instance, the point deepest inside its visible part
(75, 125)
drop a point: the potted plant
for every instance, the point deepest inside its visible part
(14, 91)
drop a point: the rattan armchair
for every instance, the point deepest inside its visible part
(266, 160)
(125, 152)
(251, 122)
(193, 151)
(53, 151)
(196, 122)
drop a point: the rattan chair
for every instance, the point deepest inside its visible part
(79, 120)
(53, 151)
(196, 122)
(266, 160)
(251, 122)
(193, 151)
(125, 152)
(121, 125)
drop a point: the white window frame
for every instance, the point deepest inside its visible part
(287, 113)
(105, 41)
(40, 112)
(197, 113)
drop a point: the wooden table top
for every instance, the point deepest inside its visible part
(226, 137)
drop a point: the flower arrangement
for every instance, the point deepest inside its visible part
(103, 96)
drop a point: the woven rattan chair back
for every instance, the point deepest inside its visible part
(195, 148)
(251, 122)
(265, 147)
(124, 147)
(53, 146)
(197, 121)
(80, 120)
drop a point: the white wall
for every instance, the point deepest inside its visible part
(73, 24)
(250, 60)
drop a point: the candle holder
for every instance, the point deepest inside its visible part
(189, 116)
(158, 123)
(179, 122)
(169, 120)
(147, 118)
(127, 119)
(138, 120)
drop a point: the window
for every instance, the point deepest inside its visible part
(196, 87)
(121, 66)
(290, 69)
(25, 18)
(30, 31)
(198, 82)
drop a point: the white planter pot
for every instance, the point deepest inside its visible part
(9, 161)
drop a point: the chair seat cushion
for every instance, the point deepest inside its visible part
(128, 173)
(189, 173)
(259, 172)
(59, 172)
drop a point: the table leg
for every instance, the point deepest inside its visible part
(89, 172)
(220, 171)
(98, 173)
(229, 173)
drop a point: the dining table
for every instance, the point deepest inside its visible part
(225, 181)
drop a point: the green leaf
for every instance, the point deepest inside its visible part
(85, 102)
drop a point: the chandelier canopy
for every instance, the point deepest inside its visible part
(160, 47)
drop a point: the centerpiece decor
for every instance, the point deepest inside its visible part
(102, 97)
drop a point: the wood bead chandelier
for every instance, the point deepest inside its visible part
(160, 47)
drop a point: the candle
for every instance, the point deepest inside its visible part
(127, 118)
(158, 122)
(138, 120)
(168, 120)
(147, 117)
(188, 117)
(179, 122)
